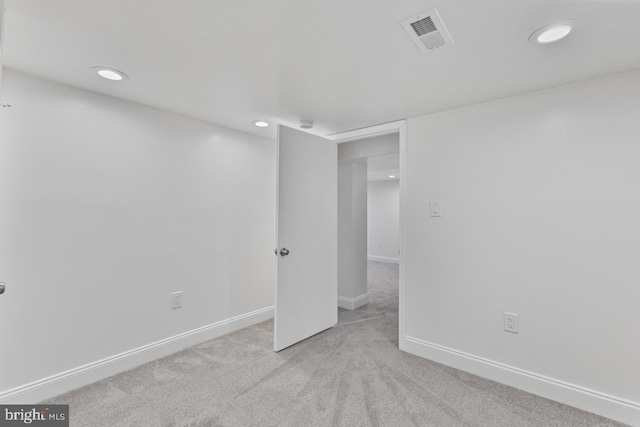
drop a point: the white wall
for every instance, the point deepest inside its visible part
(108, 207)
(352, 235)
(383, 220)
(541, 208)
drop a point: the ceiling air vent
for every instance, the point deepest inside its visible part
(427, 30)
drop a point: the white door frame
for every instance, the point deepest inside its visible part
(399, 127)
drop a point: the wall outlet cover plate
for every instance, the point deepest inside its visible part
(511, 323)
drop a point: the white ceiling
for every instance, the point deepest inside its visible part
(385, 162)
(344, 64)
(379, 168)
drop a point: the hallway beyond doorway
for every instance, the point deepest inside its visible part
(382, 286)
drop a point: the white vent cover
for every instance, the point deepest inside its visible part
(427, 30)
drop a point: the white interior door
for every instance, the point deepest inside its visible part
(307, 222)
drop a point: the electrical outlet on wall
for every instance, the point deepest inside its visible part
(511, 323)
(176, 299)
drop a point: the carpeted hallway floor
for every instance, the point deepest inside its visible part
(351, 375)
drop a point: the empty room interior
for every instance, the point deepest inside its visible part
(332, 213)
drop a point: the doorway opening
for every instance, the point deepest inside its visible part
(370, 228)
(310, 256)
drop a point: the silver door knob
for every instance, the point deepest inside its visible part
(284, 252)
(3, 287)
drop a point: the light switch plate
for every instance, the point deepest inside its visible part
(435, 208)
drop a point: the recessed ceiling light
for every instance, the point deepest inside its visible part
(392, 176)
(260, 123)
(552, 33)
(110, 73)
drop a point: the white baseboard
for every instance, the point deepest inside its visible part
(353, 303)
(609, 406)
(383, 259)
(63, 382)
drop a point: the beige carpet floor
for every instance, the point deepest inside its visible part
(350, 375)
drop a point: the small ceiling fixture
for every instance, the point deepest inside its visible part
(260, 123)
(110, 73)
(392, 176)
(306, 124)
(552, 33)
